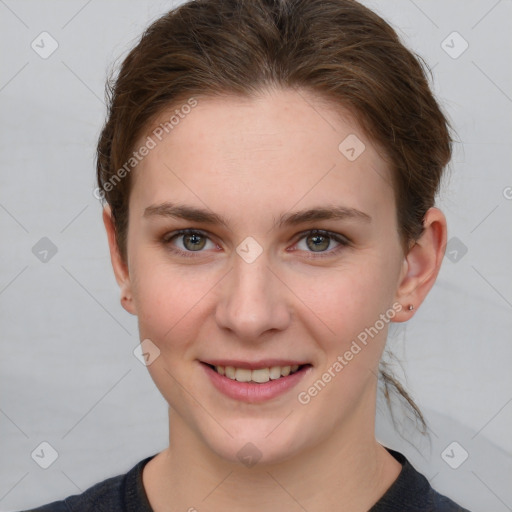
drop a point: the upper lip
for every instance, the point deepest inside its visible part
(254, 365)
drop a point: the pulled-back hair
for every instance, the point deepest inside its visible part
(337, 49)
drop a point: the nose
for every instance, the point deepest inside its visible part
(253, 301)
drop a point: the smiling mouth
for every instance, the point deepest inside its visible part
(258, 376)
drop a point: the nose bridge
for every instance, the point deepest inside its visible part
(253, 301)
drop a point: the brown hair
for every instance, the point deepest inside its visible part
(338, 49)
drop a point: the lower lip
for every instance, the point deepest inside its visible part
(252, 392)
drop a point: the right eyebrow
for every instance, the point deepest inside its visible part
(190, 213)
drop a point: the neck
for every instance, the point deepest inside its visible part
(348, 471)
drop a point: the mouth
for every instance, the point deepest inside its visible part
(257, 375)
(255, 382)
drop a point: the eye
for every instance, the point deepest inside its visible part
(187, 241)
(319, 241)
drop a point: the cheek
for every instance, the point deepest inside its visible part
(345, 300)
(167, 298)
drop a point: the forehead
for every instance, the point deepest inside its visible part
(275, 150)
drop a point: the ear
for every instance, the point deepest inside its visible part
(118, 264)
(421, 264)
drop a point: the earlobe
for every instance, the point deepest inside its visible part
(422, 264)
(119, 266)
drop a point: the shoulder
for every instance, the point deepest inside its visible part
(103, 496)
(444, 504)
(110, 495)
(411, 491)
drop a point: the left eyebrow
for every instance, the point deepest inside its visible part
(317, 214)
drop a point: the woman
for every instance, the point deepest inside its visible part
(269, 170)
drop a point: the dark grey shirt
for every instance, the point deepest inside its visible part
(410, 492)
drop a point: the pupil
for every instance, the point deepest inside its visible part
(319, 242)
(195, 240)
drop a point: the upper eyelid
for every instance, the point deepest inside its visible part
(180, 232)
(325, 232)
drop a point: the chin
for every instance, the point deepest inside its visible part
(257, 446)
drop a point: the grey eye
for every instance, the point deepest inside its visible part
(193, 241)
(318, 243)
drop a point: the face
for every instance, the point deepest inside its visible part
(291, 257)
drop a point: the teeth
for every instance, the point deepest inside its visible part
(261, 375)
(243, 375)
(275, 372)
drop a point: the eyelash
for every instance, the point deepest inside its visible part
(343, 241)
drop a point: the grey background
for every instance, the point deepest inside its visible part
(67, 369)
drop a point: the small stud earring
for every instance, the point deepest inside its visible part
(410, 307)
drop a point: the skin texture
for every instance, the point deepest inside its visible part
(250, 161)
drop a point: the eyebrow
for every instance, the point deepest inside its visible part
(200, 215)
